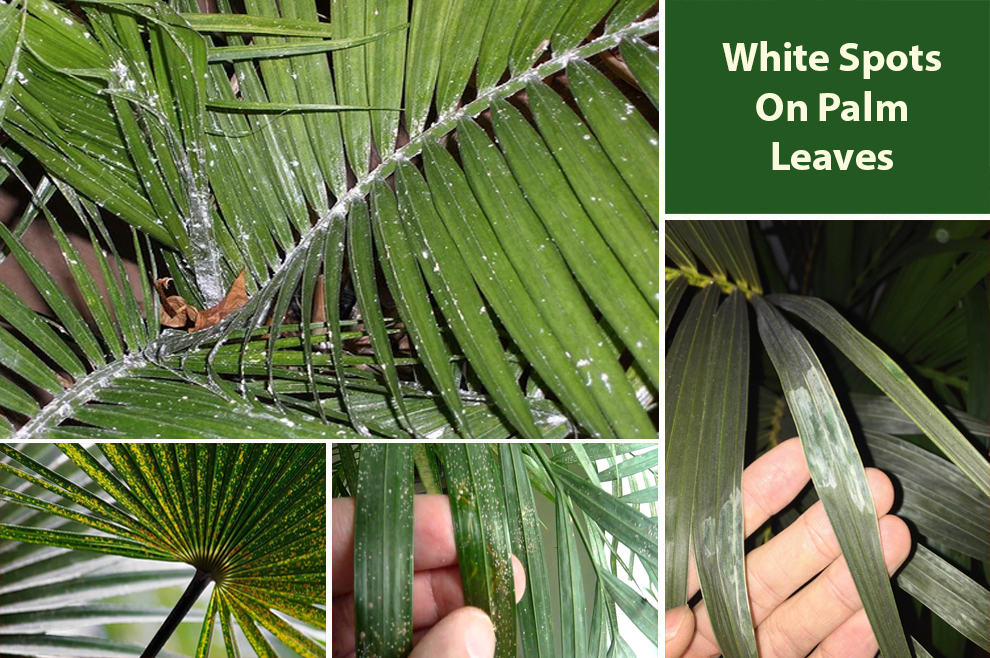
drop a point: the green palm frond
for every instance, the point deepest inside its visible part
(250, 518)
(495, 259)
(600, 503)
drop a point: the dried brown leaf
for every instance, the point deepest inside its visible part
(176, 313)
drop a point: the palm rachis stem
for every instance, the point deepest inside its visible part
(181, 609)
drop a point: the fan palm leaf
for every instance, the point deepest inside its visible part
(250, 518)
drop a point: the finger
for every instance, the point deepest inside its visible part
(341, 545)
(852, 639)
(788, 561)
(778, 568)
(678, 629)
(436, 594)
(433, 538)
(417, 638)
(768, 485)
(342, 625)
(811, 615)
(465, 633)
(518, 578)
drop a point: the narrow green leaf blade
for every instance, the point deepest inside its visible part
(644, 62)
(412, 298)
(686, 374)
(630, 526)
(836, 470)
(573, 633)
(481, 531)
(628, 139)
(383, 558)
(949, 593)
(892, 380)
(942, 502)
(640, 611)
(673, 292)
(534, 614)
(720, 529)
(458, 297)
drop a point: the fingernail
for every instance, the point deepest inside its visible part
(519, 578)
(672, 621)
(480, 636)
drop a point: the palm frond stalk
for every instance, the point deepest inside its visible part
(182, 607)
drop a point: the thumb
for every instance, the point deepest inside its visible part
(464, 633)
(678, 631)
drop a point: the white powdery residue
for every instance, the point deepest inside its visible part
(435, 434)
(828, 447)
(84, 390)
(608, 387)
(124, 79)
(21, 78)
(583, 362)
(555, 420)
(425, 254)
(708, 538)
(643, 396)
(730, 553)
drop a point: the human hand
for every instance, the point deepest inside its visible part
(827, 615)
(443, 627)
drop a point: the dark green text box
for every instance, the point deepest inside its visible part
(719, 151)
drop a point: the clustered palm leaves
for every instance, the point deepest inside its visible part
(519, 273)
(445, 214)
(250, 518)
(875, 338)
(604, 507)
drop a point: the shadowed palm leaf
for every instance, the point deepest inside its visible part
(915, 290)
